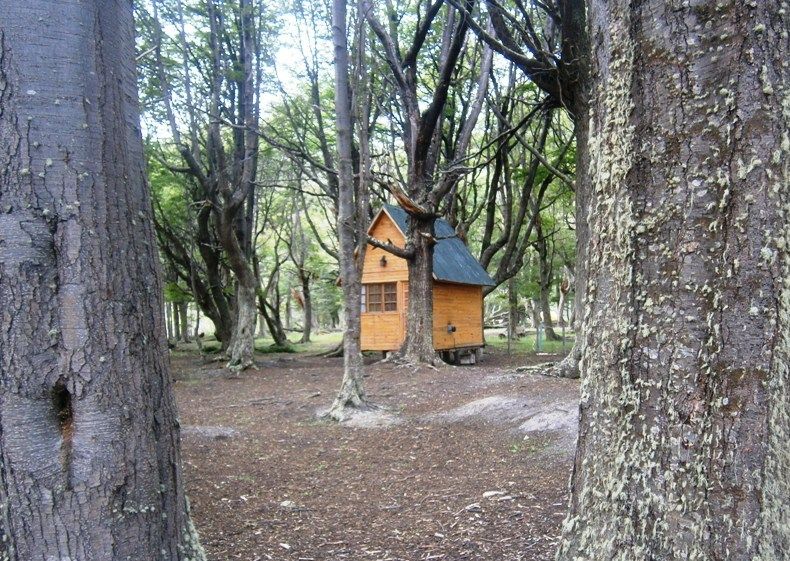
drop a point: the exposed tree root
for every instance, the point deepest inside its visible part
(543, 368)
(239, 365)
(402, 360)
(342, 411)
(566, 368)
(336, 352)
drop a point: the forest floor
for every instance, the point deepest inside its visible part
(461, 463)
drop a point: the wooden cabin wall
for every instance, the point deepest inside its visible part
(385, 331)
(455, 304)
(460, 305)
(396, 269)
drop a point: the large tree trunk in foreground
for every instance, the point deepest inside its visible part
(89, 450)
(683, 448)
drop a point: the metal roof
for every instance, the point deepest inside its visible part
(452, 260)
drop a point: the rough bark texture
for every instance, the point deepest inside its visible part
(418, 345)
(241, 349)
(683, 447)
(351, 393)
(89, 453)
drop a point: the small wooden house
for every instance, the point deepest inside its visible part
(457, 292)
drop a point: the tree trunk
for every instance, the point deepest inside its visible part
(350, 224)
(544, 281)
(174, 313)
(512, 311)
(182, 311)
(242, 344)
(561, 309)
(534, 309)
(89, 449)
(683, 446)
(418, 345)
(261, 327)
(168, 321)
(198, 336)
(272, 317)
(545, 309)
(308, 309)
(235, 178)
(288, 311)
(207, 246)
(564, 290)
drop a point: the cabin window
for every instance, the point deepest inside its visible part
(380, 297)
(390, 297)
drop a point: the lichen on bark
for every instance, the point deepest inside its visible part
(684, 403)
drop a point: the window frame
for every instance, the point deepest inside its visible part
(383, 299)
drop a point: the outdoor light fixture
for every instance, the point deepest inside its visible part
(383, 260)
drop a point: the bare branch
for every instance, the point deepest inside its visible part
(390, 247)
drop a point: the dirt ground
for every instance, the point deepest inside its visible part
(462, 463)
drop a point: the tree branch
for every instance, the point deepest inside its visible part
(390, 247)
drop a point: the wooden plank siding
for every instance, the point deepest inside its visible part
(460, 305)
(396, 268)
(382, 331)
(385, 331)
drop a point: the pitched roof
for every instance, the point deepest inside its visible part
(452, 260)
